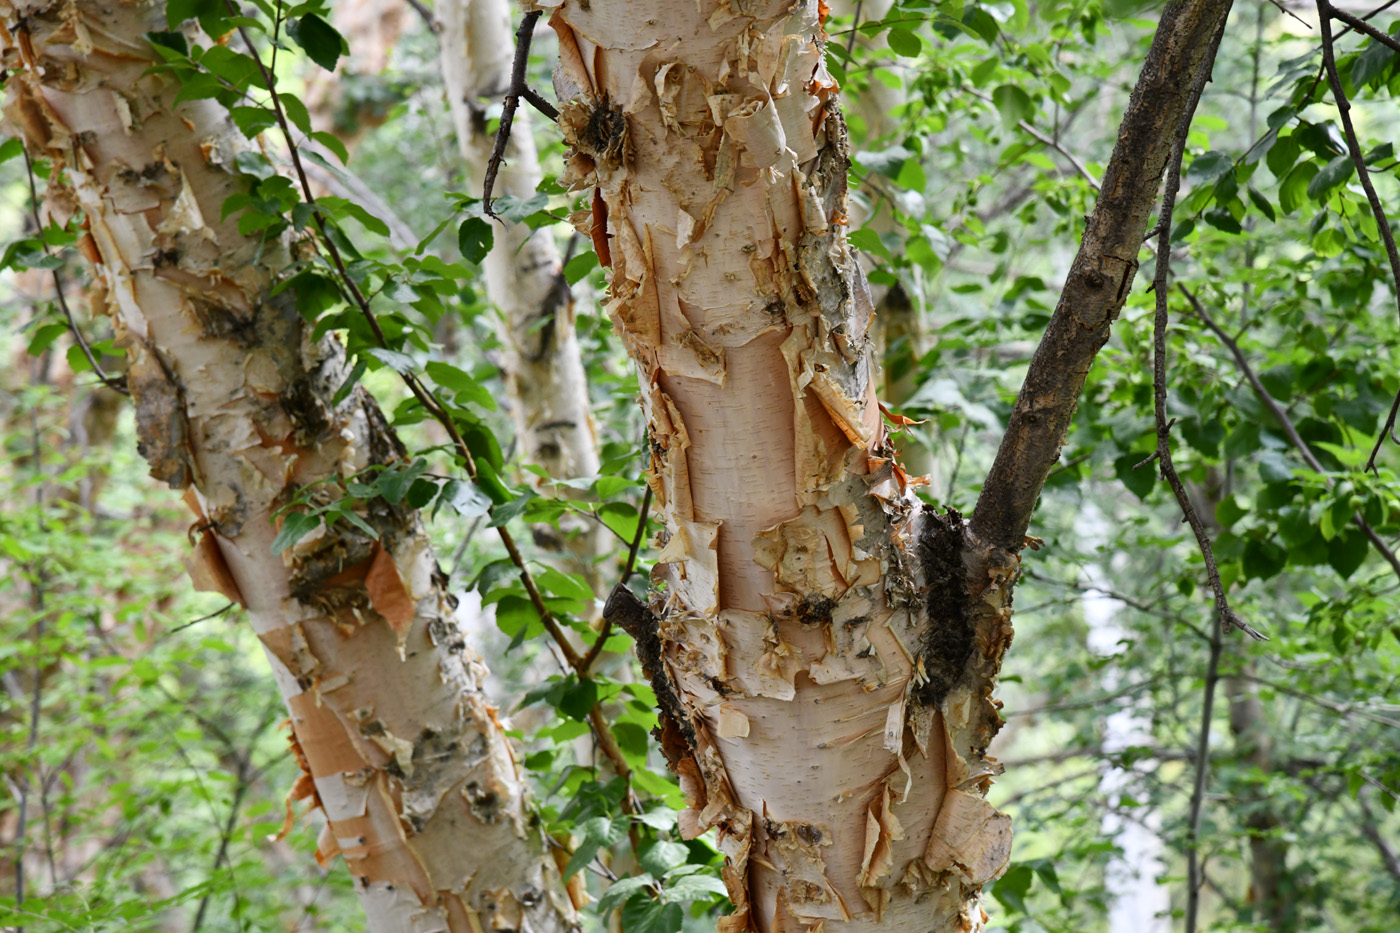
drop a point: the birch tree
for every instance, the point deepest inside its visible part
(236, 406)
(830, 648)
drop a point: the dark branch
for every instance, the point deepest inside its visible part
(1182, 55)
(517, 89)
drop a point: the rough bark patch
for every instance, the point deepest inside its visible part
(948, 645)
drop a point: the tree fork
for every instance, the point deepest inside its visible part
(833, 647)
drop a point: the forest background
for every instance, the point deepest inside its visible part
(145, 771)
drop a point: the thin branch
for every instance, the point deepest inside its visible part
(1370, 828)
(588, 659)
(1325, 11)
(1047, 141)
(1101, 276)
(517, 89)
(1159, 398)
(426, 15)
(114, 383)
(1202, 766)
(1285, 422)
(1359, 24)
(855, 24)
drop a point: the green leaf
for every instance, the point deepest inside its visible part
(1262, 203)
(1013, 104)
(331, 142)
(319, 39)
(44, 337)
(465, 498)
(620, 890)
(1139, 482)
(579, 267)
(663, 856)
(570, 586)
(1228, 511)
(1263, 559)
(621, 517)
(1292, 192)
(295, 526)
(295, 111)
(1209, 165)
(175, 41)
(644, 915)
(695, 887)
(475, 239)
(1333, 175)
(1346, 552)
(904, 42)
(460, 384)
(579, 699)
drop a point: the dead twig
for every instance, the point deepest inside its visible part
(518, 89)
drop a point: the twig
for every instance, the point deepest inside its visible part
(855, 24)
(1047, 141)
(1285, 422)
(1159, 384)
(1370, 828)
(1359, 24)
(426, 15)
(115, 384)
(224, 837)
(1202, 765)
(517, 89)
(1284, 9)
(1325, 11)
(431, 404)
(606, 630)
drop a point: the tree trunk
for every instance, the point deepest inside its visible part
(542, 365)
(234, 405)
(830, 649)
(791, 612)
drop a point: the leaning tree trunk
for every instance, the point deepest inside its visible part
(542, 366)
(829, 649)
(234, 406)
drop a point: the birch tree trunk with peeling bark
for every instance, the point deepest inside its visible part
(234, 406)
(542, 365)
(828, 649)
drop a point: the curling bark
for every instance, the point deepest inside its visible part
(827, 650)
(234, 406)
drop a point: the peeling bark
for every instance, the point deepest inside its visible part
(233, 398)
(791, 593)
(542, 365)
(834, 648)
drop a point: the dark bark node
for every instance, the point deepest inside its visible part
(948, 644)
(630, 614)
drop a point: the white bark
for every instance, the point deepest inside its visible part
(404, 753)
(813, 682)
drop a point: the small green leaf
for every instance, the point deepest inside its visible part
(1346, 552)
(44, 337)
(579, 699)
(664, 856)
(1013, 104)
(580, 266)
(465, 498)
(1262, 203)
(475, 239)
(1292, 192)
(1333, 175)
(319, 39)
(175, 41)
(295, 526)
(904, 42)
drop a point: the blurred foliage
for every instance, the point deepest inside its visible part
(154, 772)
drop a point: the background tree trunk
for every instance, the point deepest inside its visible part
(542, 366)
(234, 405)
